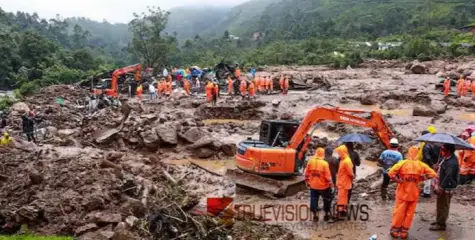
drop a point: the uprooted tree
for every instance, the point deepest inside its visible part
(148, 42)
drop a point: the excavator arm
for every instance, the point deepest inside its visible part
(113, 91)
(320, 114)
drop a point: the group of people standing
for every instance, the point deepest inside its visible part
(464, 86)
(427, 161)
(258, 85)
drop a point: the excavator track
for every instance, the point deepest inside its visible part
(279, 187)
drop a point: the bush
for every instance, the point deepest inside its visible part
(26, 89)
(5, 102)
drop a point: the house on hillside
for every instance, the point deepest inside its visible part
(468, 28)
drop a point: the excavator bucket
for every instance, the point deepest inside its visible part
(279, 187)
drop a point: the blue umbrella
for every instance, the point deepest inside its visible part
(445, 138)
(355, 138)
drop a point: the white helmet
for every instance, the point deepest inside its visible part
(394, 141)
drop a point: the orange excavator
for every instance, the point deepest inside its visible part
(113, 89)
(280, 151)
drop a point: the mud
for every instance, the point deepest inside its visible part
(171, 154)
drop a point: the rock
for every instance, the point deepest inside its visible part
(203, 142)
(35, 177)
(133, 206)
(229, 149)
(150, 139)
(439, 107)
(276, 102)
(124, 234)
(286, 116)
(168, 134)
(472, 76)
(441, 74)
(368, 99)
(204, 152)
(107, 234)
(453, 75)
(466, 102)
(67, 132)
(196, 103)
(193, 134)
(93, 236)
(131, 221)
(391, 104)
(418, 68)
(423, 111)
(85, 228)
(20, 108)
(52, 130)
(114, 156)
(102, 217)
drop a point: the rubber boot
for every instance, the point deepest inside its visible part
(404, 233)
(395, 232)
(315, 216)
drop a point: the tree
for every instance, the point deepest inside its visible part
(79, 37)
(147, 42)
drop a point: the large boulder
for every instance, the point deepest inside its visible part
(439, 107)
(167, 134)
(150, 139)
(369, 99)
(418, 68)
(204, 152)
(276, 102)
(391, 104)
(424, 111)
(19, 108)
(193, 134)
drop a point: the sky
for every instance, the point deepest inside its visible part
(113, 11)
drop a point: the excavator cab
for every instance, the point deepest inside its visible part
(277, 133)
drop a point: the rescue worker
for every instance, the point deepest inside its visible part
(252, 90)
(407, 173)
(215, 92)
(446, 86)
(257, 84)
(139, 92)
(263, 84)
(209, 91)
(237, 73)
(187, 87)
(230, 86)
(388, 159)
(6, 139)
(318, 179)
(466, 87)
(152, 91)
(161, 87)
(28, 128)
(268, 83)
(344, 180)
(444, 185)
(473, 89)
(467, 162)
(286, 85)
(460, 85)
(243, 87)
(354, 156)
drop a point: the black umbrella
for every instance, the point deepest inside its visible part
(355, 138)
(445, 138)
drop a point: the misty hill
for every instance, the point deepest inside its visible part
(299, 19)
(102, 33)
(211, 21)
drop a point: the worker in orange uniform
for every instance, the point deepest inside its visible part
(257, 83)
(252, 90)
(467, 162)
(286, 85)
(237, 73)
(319, 179)
(243, 87)
(230, 86)
(187, 87)
(209, 91)
(473, 89)
(215, 93)
(344, 180)
(160, 87)
(460, 84)
(408, 174)
(139, 92)
(466, 87)
(446, 86)
(169, 87)
(263, 84)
